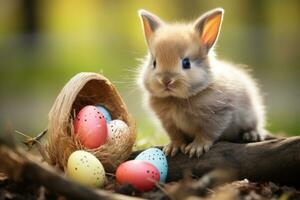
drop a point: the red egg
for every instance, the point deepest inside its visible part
(140, 174)
(90, 127)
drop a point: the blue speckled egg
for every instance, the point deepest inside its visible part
(105, 113)
(157, 158)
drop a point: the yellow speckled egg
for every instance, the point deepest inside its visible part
(84, 168)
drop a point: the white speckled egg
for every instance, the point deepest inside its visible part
(118, 131)
(84, 168)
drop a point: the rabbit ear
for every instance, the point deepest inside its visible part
(208, 26)
(150, 23)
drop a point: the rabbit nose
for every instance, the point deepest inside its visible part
(166, 81)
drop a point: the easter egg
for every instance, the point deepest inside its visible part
(158, 159)
(84, 168)
(105, 113)
(140, 174)
(118, 131)
(90, 127)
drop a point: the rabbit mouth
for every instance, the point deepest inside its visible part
(168, 89)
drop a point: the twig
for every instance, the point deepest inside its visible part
(110, 174)
(31, 141)
(163, 190)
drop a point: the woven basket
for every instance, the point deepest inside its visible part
(86, 89)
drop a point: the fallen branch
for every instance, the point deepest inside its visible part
(276, 160)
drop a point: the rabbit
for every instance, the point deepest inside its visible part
(198, 99)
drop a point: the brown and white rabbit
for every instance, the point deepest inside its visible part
(197, 98)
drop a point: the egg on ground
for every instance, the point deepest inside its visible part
(84, 168)
(140, 174)
(157, 158)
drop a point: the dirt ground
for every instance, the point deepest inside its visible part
(243, 190)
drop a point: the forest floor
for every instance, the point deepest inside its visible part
(186, 188)
(175, 190)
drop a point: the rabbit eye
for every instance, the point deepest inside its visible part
(154, 64)
(186, 63)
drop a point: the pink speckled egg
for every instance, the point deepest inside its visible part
(90, 127)
(140, 174)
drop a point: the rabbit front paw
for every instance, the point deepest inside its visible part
(173, 148)
(197, 148)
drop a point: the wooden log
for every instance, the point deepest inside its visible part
(276, 160)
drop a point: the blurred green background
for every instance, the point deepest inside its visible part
(44, 43)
